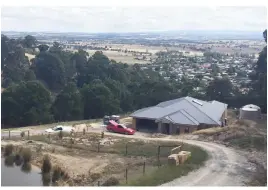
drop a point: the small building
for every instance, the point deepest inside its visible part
(250, 112)
(183, 115)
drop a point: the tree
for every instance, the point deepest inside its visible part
(29, 75)
(43, 47)
(50, 69)
(68, 104)
(99, 58)
(14, 64)
(259, 78)
(231, 70)
(29, 41)
(215, 68)
(98, 101)
(265, 35)
(26, 103)
(220, 89)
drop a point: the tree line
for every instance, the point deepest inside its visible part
(60, 85)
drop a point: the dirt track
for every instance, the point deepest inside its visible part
(225, 166)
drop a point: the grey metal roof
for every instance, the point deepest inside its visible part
(185, 110)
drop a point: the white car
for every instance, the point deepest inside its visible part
(57, 129)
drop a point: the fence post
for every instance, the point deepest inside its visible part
(28, 135)
(143, 168)
(98, 183)
(9, 134)
(98, 146)
(158, 155)
(126, 149)
(126, 175)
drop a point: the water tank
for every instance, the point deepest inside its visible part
(250, 112)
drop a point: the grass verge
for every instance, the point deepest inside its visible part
(168, 173)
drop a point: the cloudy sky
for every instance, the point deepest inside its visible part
(132, 19)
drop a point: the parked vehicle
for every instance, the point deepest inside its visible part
(107, 118)
(119, 128)
(57, 129)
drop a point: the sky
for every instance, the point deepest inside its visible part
(132, 19)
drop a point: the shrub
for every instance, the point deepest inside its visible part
(84, 131)
(26, 155)
(46, 179)
(60, 134)
(22, 134)
(9, 161)
(71, 141)
(46, 166)
(95, 176)
(112, 181)
(18, 159)
(9, 149)
(26, 167)
(57, 174)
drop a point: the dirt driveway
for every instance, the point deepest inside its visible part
(225, 166)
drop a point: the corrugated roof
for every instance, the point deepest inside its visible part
(185, 110)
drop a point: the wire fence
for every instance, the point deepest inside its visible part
(155, 155)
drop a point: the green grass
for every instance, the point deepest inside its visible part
(167, 173)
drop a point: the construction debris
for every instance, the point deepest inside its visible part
(173, 160)
(179, 158)
(183, 156)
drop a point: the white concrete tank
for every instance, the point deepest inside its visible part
(250, 112)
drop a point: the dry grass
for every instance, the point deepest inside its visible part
(9, 149)
(26, 154)
(211, 131)
(112, 181)
(46, 166)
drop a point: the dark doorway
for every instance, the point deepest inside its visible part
(177, 130)
(186, 130)
(146, 125)
(166, 128)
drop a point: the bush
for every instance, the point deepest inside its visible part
(60, 134)
(57, 174)
(112, 181)
(22, 134)
(84, 131)
(26, 167)
(9, 149)
(46, 166)
(46, 179)
(26, 155)
(9, 161)
(18, 159)
(95, 176)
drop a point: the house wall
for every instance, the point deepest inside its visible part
(182, 128)
(205, 126)
(134, 122)
(224, 114)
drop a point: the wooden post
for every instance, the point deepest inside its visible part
(158, 156)
(126, 149)
(9, 134)
(98, 146)
(126, 175)
(28, 135)
(98, 183)
(143, 168)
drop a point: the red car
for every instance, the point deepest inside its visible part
(119, 128)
